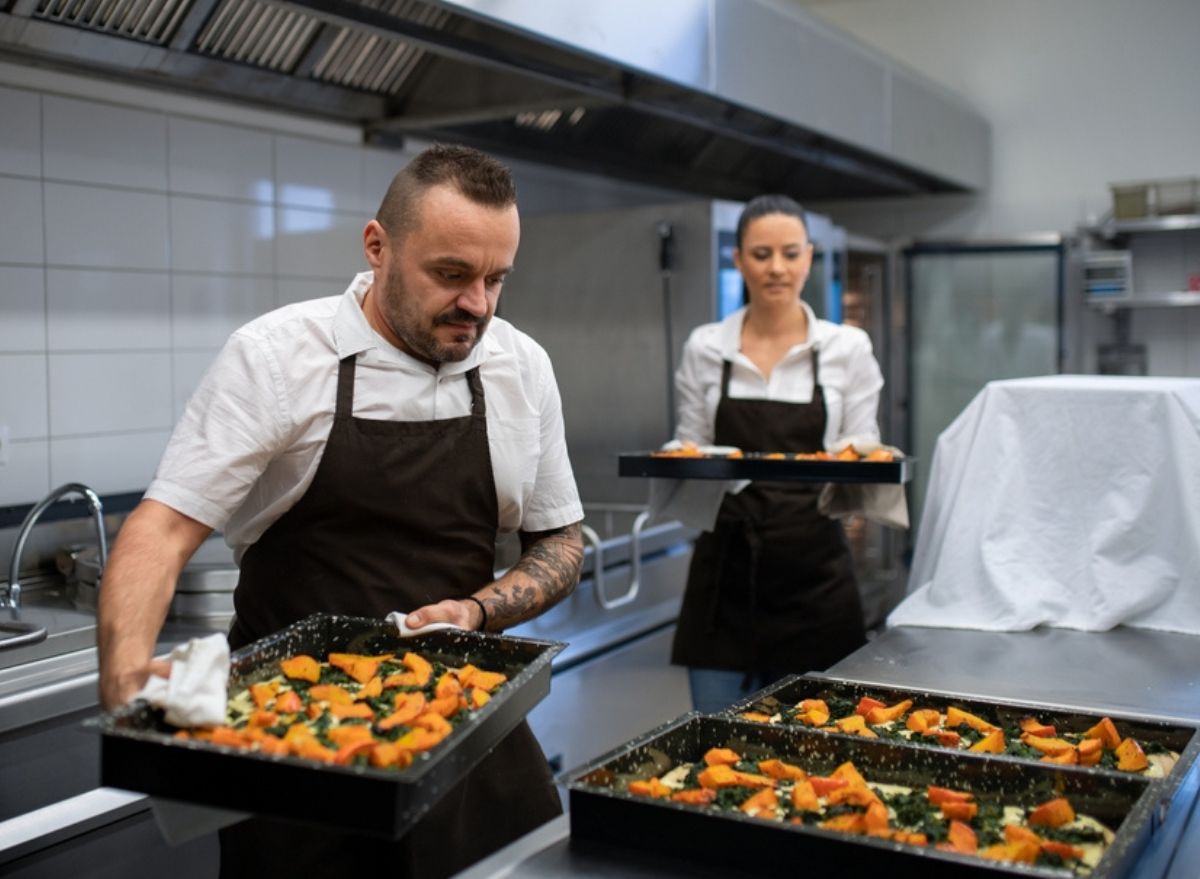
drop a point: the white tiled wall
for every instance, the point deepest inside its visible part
(132, 242)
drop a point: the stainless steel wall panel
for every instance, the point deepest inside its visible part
(933, 130)
(667, 38)
(800, 71)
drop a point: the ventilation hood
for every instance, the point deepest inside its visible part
(723, 98)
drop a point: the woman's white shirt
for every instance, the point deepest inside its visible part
(849, 375)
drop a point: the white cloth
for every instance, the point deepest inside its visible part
(1068, 501)
(849, 376)
(397, 617)
(196, 692)
(883, 503)
(252, 435)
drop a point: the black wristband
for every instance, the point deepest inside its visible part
(482, 610)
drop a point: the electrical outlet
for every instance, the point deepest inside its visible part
(3, 445)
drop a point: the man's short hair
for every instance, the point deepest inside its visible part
(472, 173)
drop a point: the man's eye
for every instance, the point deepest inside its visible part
(450, 275)
(496, 281)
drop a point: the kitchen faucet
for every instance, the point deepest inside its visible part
(13, 599)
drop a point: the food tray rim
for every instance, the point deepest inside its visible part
(647, 465)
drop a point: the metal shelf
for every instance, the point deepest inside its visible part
(1169, 223)
(1179, 299)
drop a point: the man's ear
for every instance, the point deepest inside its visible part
(375, 243)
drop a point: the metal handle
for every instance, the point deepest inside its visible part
(27, 633)
(635, 561)
(590, 536)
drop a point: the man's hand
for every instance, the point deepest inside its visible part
(546, 573)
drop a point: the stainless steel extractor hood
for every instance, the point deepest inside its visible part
(723, 98)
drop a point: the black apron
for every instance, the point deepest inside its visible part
(399, 514)
(771, 588)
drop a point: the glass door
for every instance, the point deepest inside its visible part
(976, 313)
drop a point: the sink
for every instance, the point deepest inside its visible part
(68, 628)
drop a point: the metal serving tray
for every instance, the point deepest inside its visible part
(603, 815)
(138, 751)
(764, 469)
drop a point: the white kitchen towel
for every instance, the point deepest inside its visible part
(1068, 501)
(882, 503)
(397, 617)
(196, 692)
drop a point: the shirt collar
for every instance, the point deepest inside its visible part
(731, 332)
(352, 334)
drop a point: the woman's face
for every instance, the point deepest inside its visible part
(774, 258)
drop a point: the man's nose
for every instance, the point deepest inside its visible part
(474, 298)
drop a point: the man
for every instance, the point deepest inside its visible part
(360, 454)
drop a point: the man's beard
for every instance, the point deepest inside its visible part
(403, 316)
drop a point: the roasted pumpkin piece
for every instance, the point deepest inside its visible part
(418, 674)
(956, 717)
(359, 710)
(924, 719)
(1130, 757)
(947, 738)
(408, 707)
(361, 668)
(386, 755)
(696, 796)
(813, 717)
(939, 795)
(418, 739)
(959, 811)
(856, 725)
(1018, 852)
(814, 705)
(311, 749)
(447, 685)
(1105, 731)
(270, 744)
(477, 698)
(262, 718)
(1064, 850)
(1017, 833)
(849, 772)
(1090, 751)
(263, 693)
(852, 795)
(721, 757)
(350, 750)
(1035, 727)
(850, 822)
(764, 804)
(804, 797)
(1047, 745)
(825, 785)
(909, 838)
(960, 838)
(288, 703)
(226, 735)
(887, 715)
(780, 770)
(348, 733)
(296, 732)
(470, 676)
(433, 722)
(866, 705)
(448, 706)
(875, 819)
(992, 743)
(330, 693)
(651, 787)
(755, 716)
(370, 690)
(1066, 758)
(301, 668)
(724, 775)
(1052, 813)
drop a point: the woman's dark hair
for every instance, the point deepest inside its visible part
(762, 205)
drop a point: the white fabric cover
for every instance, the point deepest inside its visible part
(195, 694)
(1067, 501)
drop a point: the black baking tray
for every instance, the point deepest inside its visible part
(764, 469)
(602, 815)
(138, 752)
(1179, 737)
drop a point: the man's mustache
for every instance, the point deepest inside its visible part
(459, 316)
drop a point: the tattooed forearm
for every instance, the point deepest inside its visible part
(544, 575)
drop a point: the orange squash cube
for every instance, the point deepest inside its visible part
(1105, 731)
(992, 743)
(1131, 757)
(1052, 813)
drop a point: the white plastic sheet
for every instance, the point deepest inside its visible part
(1068, 501)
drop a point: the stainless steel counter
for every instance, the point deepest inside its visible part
(1129, 671)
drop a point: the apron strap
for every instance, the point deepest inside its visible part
(345, 388)
(478, 401)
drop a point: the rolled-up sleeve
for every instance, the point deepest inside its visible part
(864, 381)
(233, 425)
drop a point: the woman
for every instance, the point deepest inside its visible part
(771, 589)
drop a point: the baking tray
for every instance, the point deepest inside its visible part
(1179, 737)
(764, 469)
(138, 752)
(602, 815)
